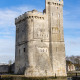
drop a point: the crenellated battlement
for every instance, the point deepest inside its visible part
(34, 14)
(54, 2)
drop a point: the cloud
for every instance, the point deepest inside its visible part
(6, 58)
(72, 30)
(7, 46)
(7, 16)
(7, 19)
(72, 46)
(7, 50)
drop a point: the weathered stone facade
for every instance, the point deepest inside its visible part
(40, 49)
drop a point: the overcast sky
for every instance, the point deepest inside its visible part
(10, 9)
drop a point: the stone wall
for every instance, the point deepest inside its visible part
(6, 69)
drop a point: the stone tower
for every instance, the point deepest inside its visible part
(54, 11)
(40, 49)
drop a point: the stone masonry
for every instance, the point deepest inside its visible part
(40, 48)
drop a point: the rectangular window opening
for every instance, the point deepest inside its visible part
(24, 50)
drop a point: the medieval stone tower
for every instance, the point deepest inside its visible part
(40, 49)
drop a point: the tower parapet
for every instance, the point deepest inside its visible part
(55, 2)
(29, 15)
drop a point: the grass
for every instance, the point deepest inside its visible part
(22, 77)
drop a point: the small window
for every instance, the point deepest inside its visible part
(41, 40)
(24, 49)
(23, 30)
(48, 2)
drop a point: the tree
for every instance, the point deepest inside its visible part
(10, 62)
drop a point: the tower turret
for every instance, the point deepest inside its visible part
(54, 12)
(55, 3)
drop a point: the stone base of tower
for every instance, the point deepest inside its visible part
(33, 72)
